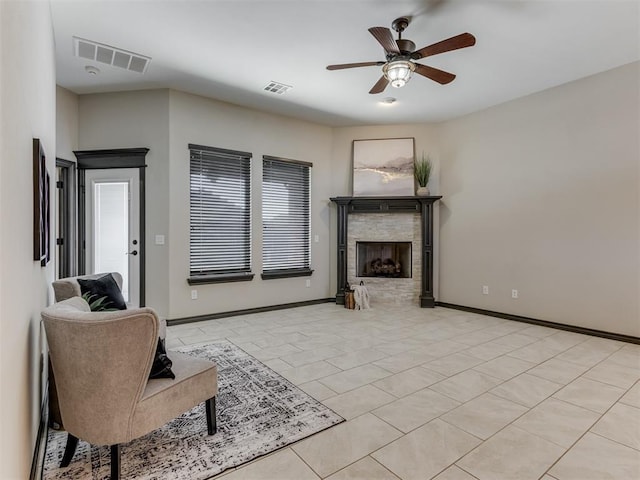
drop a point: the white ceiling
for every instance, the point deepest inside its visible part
(229, 50)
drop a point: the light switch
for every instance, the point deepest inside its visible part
(316, 238)
(159, 239)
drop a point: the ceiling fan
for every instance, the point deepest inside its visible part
(401, 54)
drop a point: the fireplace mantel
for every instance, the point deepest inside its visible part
(422, 205)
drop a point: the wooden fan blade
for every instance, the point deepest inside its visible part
(459, 41)
(384, 38)
(353, 65)
(380, 85)
(434, 74)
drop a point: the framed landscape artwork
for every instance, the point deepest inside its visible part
(383, 167)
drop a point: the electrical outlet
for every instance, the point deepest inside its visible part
(485, 289)
(194, 294)
(514, 293)
(308, 283)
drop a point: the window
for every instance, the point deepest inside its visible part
(220, 241)
(285, 218)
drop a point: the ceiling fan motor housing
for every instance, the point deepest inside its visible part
(406, 46)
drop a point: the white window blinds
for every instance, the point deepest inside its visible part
(220, 194)
(285, 217)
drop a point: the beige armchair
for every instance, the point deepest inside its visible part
(101, 362)
(63, 289)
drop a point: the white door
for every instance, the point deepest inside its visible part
(113, 226)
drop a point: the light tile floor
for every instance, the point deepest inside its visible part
(443, 394)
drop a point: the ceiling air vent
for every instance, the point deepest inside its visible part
(117, 57)
(277, 87)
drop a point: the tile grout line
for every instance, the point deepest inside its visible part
(465, 471)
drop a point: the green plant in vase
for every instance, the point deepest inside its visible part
(422, 172)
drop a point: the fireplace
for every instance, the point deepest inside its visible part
(368, 217)
(383, 259)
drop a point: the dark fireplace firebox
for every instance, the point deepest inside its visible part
(383, 259)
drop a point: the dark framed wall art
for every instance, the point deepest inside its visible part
(41, 208)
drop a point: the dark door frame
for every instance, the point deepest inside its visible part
(106, 159)
(66, 211)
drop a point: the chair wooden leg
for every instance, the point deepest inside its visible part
(210, 407)
(115, 462)
(69, 450)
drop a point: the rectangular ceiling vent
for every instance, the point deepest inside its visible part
(116, 57)
(277, 87)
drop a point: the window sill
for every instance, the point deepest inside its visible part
(298, 272)
(220, 278)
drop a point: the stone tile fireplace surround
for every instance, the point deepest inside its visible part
(386, 227)
(384, 219)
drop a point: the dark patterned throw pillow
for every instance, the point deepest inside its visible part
(102, 293)
(162, 364)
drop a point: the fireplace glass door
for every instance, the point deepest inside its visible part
(383, 259)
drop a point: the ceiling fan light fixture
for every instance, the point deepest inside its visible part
(398, 72)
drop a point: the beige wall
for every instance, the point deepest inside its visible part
(130, 120)
(66, 124)
(541, 195)
(27, 110)
(204, 121)
(166, 122)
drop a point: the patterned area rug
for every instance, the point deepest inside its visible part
(258, 412)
